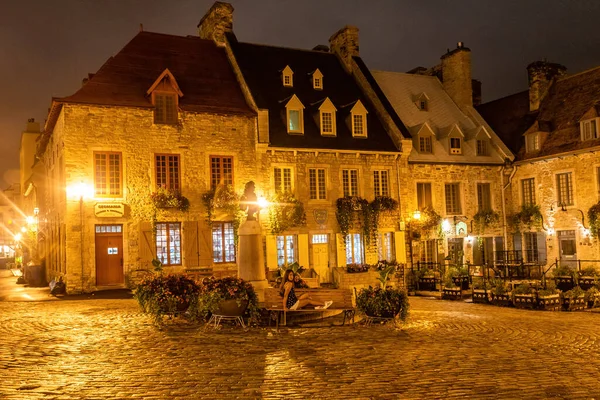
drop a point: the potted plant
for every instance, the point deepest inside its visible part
(592, 297)
(564, 278)
(574, 299)
(166, 198)
(587, 278)
(549, 299)
(427, 279)
(355, 268)
(500, 293)
(524, 296)
(169, 295)
(230, 296)
(460, 276)
(450, 290)
(480, 291)
(385, 302)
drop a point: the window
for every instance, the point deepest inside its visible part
(381, 184)
(484, 197)
(167, 171)
(286, 250)
(165, 108)
(483, 148)
(317, 83)
(221, 171)
(564, 188)
(295, 115)
(428, 251)
(287, 80)
(350, 182)
(531, 247)
(294, 120)
(528, 189)
(320, 239)
(168, 243)
(358, 125)
(223, 242)
(354, 248)
(589, 130)
(385, 246)
(317, 78)
(283, 180)
(107, 174)
(425, 144)
(423, 196)
(287, 76)
(317, 184)
(327, 123)
(453, 199)
(455, 146)
(423, 105)
(532, 142)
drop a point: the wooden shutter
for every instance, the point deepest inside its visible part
(147, 246)
(541, 246)
(303, 250)
(205, 258)
(340, 250)
(191, 255)
(400, 246)
(271, 252)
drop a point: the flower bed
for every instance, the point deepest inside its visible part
(215, 297)
(166, 295)
(355, 268)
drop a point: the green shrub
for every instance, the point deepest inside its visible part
(563, 270)
(380, 302)
(523, 288)
(162, 295)
(498, 286)
(589, 271)
(575, 293)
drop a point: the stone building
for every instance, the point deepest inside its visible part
(553, 130)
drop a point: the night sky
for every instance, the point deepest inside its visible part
(47, 47)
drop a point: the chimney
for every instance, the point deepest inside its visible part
(541, 75)
(216, 23)
(476, 83)
(344, 43)
(456, 75)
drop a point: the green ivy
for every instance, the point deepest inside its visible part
(353, 210)
(166, 198)
(225, 199)
(286, 212)
(484, 219)
(529, 216)
(594, 218)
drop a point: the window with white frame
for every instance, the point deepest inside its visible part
(483, 147)
(429, 251)
(359, 120)
(287, 75)
(350, 182)
(589, 129)
(223, 239)
(286, 249)
(528, 191)
(484, 197)
(317, 78)
(327, 118)
(317, 182)
(295, 115)
(168, 243)
(453, 206)
(294, 120)
(423, 195)
(282, 179)
(354, 248)
(385, 246)
(532, 142)
(425, 144)
(564, 189)
(455, 145)
(381, 184)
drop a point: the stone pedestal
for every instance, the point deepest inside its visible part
(251, 260)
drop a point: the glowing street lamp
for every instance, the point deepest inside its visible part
(18, 237)
(262, 202)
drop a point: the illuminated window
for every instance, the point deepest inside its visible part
(318, 190)
(168, 243)
(283, 180)
(221, 171)
(167, 171)
(107, 174)
(564, 188)
(354, 248)
(385, 246)
(423, 195)
(165, 108)
(223, 242)
(286, 250)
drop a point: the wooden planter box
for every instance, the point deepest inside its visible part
(461, 281)
(586, 282)
(427, 283)
(504, 300)
(549, 303)
(593, 300)
(525, 301)
(480, 296)
(574, 304)
(451, 294)
(564, 283)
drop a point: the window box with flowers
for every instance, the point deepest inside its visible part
(165, 198)
(356, 268)
(529, 217)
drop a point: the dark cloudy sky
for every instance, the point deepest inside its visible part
(48, 46)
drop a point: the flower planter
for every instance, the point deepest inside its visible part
(524, 301)
(502, 300)
(427, 283)
(461, 281)
(549, 303)
(480, 296)
(451, 294)
(587, 282)
(564, 283)
(594, 301)
(574, 304)
(231, 308)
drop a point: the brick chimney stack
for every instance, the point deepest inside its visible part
(456, 75)
(344, 43)
(541, 75)
(216, 22)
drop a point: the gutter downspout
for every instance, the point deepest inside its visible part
(504, 187)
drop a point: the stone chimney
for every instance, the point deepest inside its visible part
(216, 23)
(456, 75)
(541, 75)
(344, 43)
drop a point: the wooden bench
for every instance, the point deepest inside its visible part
(342, 301)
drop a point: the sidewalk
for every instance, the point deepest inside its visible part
(11, 291)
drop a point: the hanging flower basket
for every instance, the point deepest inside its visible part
(165, 198)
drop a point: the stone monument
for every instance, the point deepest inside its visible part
(251, 260)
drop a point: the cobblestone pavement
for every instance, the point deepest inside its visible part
(98, 349)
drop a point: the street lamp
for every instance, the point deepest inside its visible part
(79, 191)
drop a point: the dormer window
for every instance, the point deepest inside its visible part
(165, 94)
(295, 115)
(317, 78)
(359, 120)
(483, 145)
(455, 145)
(423, 105)
(327, 118)
(532, 142)
(422, 102)
(589, 129)
(288, 76)
(425, 144)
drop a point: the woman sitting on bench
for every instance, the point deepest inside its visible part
(291, 301)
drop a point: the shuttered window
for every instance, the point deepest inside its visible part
(354, 249)
(223, 242)
(168, 243)
(287, 249)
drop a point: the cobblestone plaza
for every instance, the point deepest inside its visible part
(98, 349)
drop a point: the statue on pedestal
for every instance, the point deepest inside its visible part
(248, 202)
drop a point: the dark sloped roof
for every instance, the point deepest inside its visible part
(560, 112)
(261, 66)
(200, 68)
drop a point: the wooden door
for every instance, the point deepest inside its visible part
(320, 253)
(109, 255)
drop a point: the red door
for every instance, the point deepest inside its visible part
(109, 255)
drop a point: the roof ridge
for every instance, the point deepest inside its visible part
(585, 71)
(287, 48)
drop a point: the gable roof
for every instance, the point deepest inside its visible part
(261, 66)
(201, 70)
